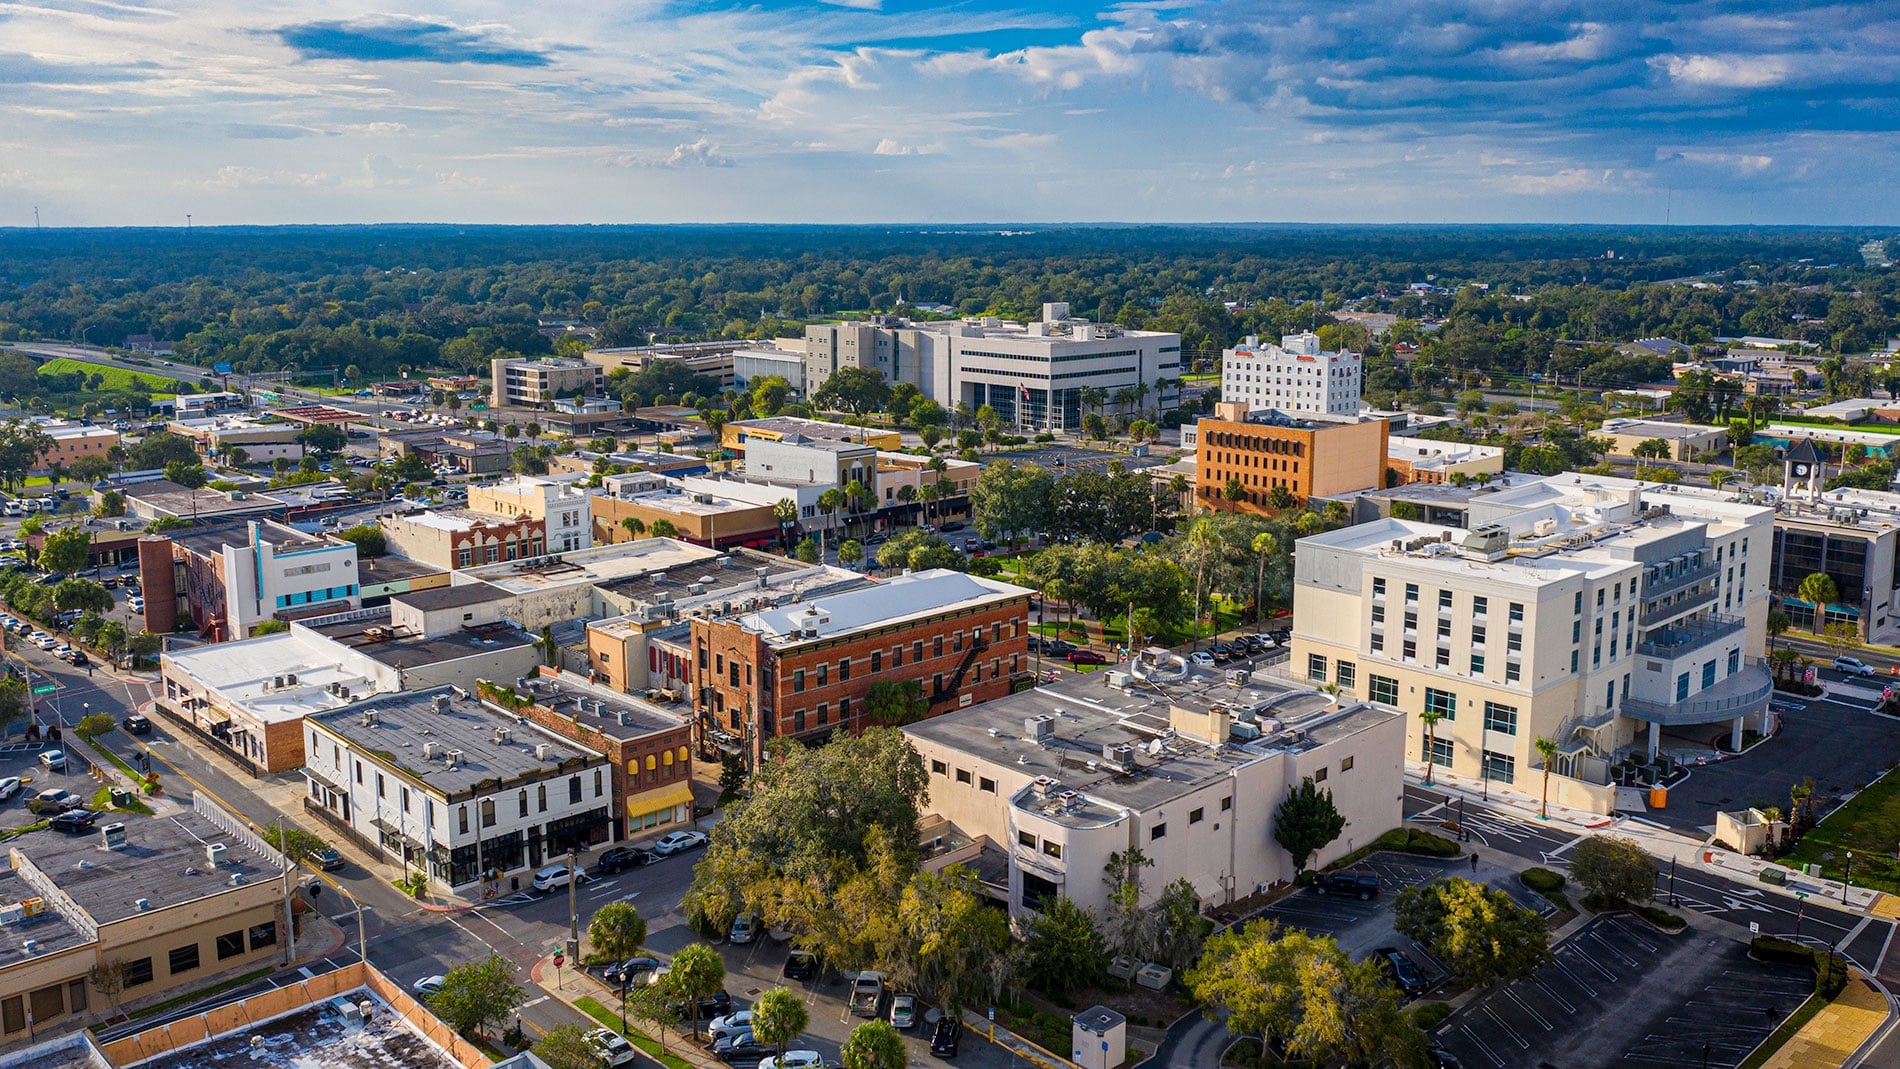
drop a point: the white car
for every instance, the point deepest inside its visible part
(53, 760)
(657, 975)
(1202, 658)
(1853, 666)
(679, 842)
(429, 985)
(9, 786)
(795, 1059)
(615, 1049)
(731, 1024)
(137, 604)
(552, 877)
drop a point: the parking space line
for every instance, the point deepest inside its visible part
(1554, 996)
(1508, 1030)
(1574, 978)
(1483, 1047)
(1511, 993)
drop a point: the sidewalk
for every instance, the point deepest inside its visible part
(1836, 1032)
(1658, 840)
(570, 984)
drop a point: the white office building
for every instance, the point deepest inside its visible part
(1032, 374)
(1293, 376)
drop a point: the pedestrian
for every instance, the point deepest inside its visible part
(1474, 861)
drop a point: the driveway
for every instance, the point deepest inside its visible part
(1838, 740)
(1622, 993)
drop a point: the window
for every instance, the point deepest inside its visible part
(488, 812)
(844, 669)
(461, 816)
(76, 996)
(1500, 766)
(1053, 849)
(1319, 774)
(264, 935)
(184, 959)
(1443, 657)
(573, 790)
(1734, 661)
(1479, 606)
(1345, 764)
(13, 1014)
(984, 783)
(521, 800)
(1378, 614)
(1599, 599)
(963, 775)
(824, 674)
(1682, 687)
(405, 799)
(597, 783)
(1024, 838)
(1227, 803)
(1381, 689)
(1708, 674)
(1346, 674)
(938, 651)
(1578, 607)
(1516, 613)
(1576, 631)
(1441, 751)
(541, 797)
(1411, 620)
(1444, 601)
(1410, 650)
(1514, 642)
(1444, 628)
(1159, 831)
(1573, 661)
(1441, 701)
(1378, 588)
(1502, 717)
(939, 768)
(359, 773)
(1513, 672)
(1196, 815)
(1411, 592)
(140, 971)
(1477, 664)
(1316, 667)
(1477, 634)
(877, 661)
(798, 680)
(1378, 642)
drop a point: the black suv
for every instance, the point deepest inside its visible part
(75, 822)
(1347, 883)
(1400, 971)
(943, 1042)
(136, 724)
(801, 965)
(622, 857)
(709, 1007)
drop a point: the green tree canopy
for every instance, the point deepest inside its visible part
(478, 993)
(1482, 934)
(1614, 867)
(874, 1045)
(778, 1017)
(1063, 947)
(65, 550)
(859, 390)
(1306, 821)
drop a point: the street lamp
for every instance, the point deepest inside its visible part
(1845, 878)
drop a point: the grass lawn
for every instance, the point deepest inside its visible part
(647, 1044)
(1869, 825)
(115, 378)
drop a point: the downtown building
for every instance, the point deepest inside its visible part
(1294, 376)
(1595, 611)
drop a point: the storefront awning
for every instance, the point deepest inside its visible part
(666, 798)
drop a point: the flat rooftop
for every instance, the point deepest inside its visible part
(735, 573)
(317, 1037)
(402, 724)
(457, 520)
(49, 927)
(1091, 711)
(616, 714)
(1650, 428)
(452, 597)
(248, 673)
(280, 536)
(167, 496)
(392, 569)
(893, 601)
(809, 428)
(163, 861)
(403, 650)
(683, 502)
(598, 564)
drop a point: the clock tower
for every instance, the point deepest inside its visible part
(1801, 465)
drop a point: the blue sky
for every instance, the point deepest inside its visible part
(118, 112)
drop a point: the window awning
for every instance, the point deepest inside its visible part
(665, 798)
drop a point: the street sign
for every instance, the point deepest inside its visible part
(47, 688)
(1754, 927)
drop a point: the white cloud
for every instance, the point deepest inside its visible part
(701, 153)
(1726, 72)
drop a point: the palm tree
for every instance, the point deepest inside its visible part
(787, 512)
(1548, 749)
(1818, 590)
(1092, 397)
(931, 493)
(1179, 487)
(907, 494)
(1430, 719)
(1264, 546)
(1778, 623)
(1202, 543)
(635, 527)
(829, 503)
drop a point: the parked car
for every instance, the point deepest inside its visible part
(75, 822)
(1400, 970)
(1365, 885)
(711, 1006)
(614, 1048)
(731, 1024)
(1087, 657)
(1058, 647)
(903, 1012)
(59, 797)
(943, 1041)
(745, 928)
(53, 760)
(624, 972)
(553, 877)
(801, 965)
(742, 1047)
(76, 658)
(866, 992)
(679, 842)
(622, 857)
(136, 724)
(795, 1059)
(1202, 658)
(1853, 666)
(329, 859)
(10, 786)
(1442, 1058)
(428, 985)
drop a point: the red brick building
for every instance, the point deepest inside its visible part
(804, 670)
(649, 746)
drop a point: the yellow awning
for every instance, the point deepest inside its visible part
(665, 798)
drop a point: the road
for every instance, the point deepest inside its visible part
(1861, 939)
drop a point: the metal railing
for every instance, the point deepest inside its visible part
(1757, 686)
(1681, 640)
(1650, 615)
(1670, 585)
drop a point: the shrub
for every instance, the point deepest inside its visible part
(1429, 1015)
(1420, 841)
(1661, 918)
(1541, 880)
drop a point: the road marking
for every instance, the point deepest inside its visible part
(1854, 934)
(1508, 1030)
(535, 1001)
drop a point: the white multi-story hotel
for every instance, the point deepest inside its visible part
(1293, 376)
(1032, 375)
(1595, 611)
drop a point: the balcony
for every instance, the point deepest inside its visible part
(1681, 640)
(1650, 617)
(1681, 579)
(1743, 693)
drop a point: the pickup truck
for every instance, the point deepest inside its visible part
(866, 992)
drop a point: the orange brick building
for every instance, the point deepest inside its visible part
(805, 670)
(1309, 456)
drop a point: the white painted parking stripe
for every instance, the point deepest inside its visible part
(1574, 978)
(1511, 993)
(1554, 996)
(1507, 1029)
(1483, 1047)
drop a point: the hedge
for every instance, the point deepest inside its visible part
(1541, 880)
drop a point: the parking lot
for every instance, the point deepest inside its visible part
(1362, 926)
(1622, 993)
(1062, 459)
(22, 759)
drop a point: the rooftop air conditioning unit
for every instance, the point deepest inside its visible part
(112, 836)
(502, 735)
(214, 853)
(12, 913)
(237, 879)
(277, 683)
(543, 751)
(1044, 785)
(429, 751)
(440, 702)
(369, 717)
(290, 679)
(620, 715)
(454, 757)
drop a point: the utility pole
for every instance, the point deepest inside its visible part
(573, 910)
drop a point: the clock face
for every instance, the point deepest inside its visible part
(1800, 469)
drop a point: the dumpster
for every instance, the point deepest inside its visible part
(121, 797)
(1659, 798)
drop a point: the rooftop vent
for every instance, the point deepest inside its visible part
(429, 751)
(1044, 786)
(369, 717)
(112, 836)
(542, 750)
(1490, 542)
(441, 703)
(143, 905)
(454, 757)
(214, 853)
(502, 735)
